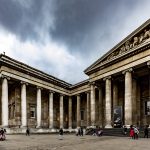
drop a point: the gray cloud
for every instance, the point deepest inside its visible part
(24, 18)
(86, 28)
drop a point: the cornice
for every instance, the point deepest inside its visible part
(17, 65)
(136, 38)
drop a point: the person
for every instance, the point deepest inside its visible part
(60, 134)
(146, 132)
(136, 132)
(94, 132)
(28, 132)
(131, 132)
(100, 132)
(81, 131)
(125, 130)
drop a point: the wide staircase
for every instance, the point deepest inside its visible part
(114, 132)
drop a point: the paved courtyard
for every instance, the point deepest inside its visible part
(72, 142)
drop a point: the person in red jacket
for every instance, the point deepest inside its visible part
(131, 132)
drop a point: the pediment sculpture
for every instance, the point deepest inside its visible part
(142, 37)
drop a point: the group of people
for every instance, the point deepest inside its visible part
(2, 134)
(134, 132)
(79, 131)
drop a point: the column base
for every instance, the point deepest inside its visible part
(108, 126)
(38, 127)
(52, 129)
(70, 129)
(23, 126)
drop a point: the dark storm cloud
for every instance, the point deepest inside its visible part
(22, 17)
(75, 19)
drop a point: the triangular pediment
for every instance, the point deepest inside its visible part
(137, 38)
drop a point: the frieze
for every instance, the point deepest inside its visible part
(135, 41)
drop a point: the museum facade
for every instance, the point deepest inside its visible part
(116, 93)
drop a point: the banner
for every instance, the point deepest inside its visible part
(117, 116)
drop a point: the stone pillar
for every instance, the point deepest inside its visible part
(115, 94)
(51, 113)
(134, 102)
(61, 111)
(5, 101)
(23, 105)
(38, 107)
(128, 97)
(78, 111)
(70, 112)
(93, 105)
(88, 108)
(100, 107)
(108, 122)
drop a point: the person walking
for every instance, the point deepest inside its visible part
(28, 132)
(131, 132)
(146, 131)
(136, 132)
(61, 134)
(81, 131)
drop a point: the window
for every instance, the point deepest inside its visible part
(82, 114)
(32, 111)
(147, 108)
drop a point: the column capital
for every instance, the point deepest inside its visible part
(50, 91)
(127, 70)
(5, 77)
(87, 92)
(108, 77)
(62, 94)
(91, 83)
(39, 87)
(23, 82)
(79, 94)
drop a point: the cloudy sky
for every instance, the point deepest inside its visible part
(64, 37)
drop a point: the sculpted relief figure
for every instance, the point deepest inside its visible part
(135, 41)
(146, 34)
(122, 49)
(127, 45)
(141, 38)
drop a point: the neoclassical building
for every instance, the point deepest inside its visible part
(116, 93)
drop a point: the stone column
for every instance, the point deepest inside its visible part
(100, 106)
(23, 105)
(5, 101)
(128, 97)
(78, 111)
(134, 102)
(93, 104)
(38, 107)
(115, 94)
(88, 108)
(70, 112)
(51, 113)
(108, 122)
(61, 111)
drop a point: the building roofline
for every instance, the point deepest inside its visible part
(18, 64)
(88, 69)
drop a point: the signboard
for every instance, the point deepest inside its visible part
(117, 116)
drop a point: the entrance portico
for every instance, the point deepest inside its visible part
(117, 92)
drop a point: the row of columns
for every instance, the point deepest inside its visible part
(90, 104)
(51, 116)
(108, 100)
